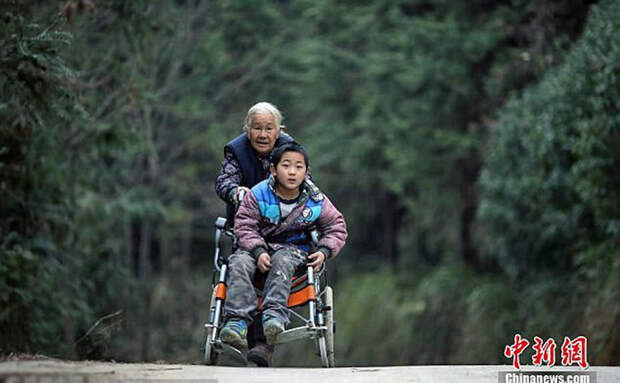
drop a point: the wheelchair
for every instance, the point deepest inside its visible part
(308, 288)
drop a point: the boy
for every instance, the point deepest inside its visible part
(271, 226)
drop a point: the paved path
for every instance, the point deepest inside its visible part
(53, 371)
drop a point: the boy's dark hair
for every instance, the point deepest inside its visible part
(292, 146)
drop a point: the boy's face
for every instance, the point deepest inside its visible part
(290, 171)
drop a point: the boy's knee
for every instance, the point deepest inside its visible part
(284, 258)
(242, 260)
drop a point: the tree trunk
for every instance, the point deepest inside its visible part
(470, 167)
(392, 217)
(70, 337)
(144, 275)
(187, 244)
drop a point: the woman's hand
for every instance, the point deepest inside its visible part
(264, 262)
(236, 196)
(317, 260)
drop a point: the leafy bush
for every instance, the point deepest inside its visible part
(550, 190)
(550, 185)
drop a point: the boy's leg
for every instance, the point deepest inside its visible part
(278, 284)
(260, 353)
(241, 299)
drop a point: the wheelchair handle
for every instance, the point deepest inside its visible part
(220, 224)
(240, 197)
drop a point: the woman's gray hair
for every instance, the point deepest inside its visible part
(262, 107)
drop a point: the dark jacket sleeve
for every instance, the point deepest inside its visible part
(230, 177)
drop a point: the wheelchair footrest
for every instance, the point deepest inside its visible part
(299, 333)
(229, 356)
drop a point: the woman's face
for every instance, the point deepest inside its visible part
(263, 133)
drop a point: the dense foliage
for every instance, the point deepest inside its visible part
(472, 146)
(551, 181)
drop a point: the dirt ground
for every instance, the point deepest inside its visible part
(46, 370)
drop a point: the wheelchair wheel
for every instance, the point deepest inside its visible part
(322, 344)
(325, 343)
(210, 356)
(329, 323)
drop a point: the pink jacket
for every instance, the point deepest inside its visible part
(258, 234)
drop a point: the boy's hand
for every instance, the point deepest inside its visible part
(317, 260)
(264, 262)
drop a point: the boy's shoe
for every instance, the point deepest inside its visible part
(234, 333)
(261, 354)
(272, 327)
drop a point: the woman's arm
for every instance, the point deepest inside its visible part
(230, 177)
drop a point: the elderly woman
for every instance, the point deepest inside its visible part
(246, 158)
(246, 163)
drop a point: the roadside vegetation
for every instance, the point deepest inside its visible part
(473, 147)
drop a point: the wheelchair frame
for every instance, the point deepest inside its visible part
(319, 325)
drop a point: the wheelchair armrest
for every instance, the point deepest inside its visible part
(220, 223)
(314, 235)
(321, 269)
